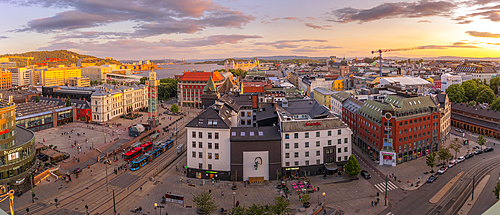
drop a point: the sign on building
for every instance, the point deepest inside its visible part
(387, 158)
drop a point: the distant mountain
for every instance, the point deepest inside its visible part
(280, 57)
(69, 58)
(444, 58)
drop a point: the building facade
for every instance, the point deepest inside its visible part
(323, 96)
(476, 119)
(336, 100)
(191, 84)
(79, 82)
(111, 101)
(5, 80)
(58, 76)
(96, 73)
(20, 76)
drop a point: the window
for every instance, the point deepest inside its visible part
(307, 144)
(296, 145)
(317, 144)
(339, 132)
(345, 149)
(209, 155)
(296, 154)
(200, 135)
(296, 135)
(242, 133)
(287, 136)
(329, 133)
(242, 113)
(200, 155)
(307, 135)
(194, 154)
(216, 145)
(296, 163)
(345, 158)
(307, 154)
(209, 166)
(194, 134)
(339, 141)
(209, 135)
(339, 158)
(318, 153)
(400, 131)
(287, 163)
(200, 144)
(307, 163)
(209, 145)
(216, 135)
(243, 122)
(317, 161)
(216, 156)
(317, 133)
(233, 134)
(287, 155)
(345, 140)
(400, 139)
(400, 124)
(339, 150)
(200, 166)
(251, 133)
(194, 144)
(329, 142)
(287, 145)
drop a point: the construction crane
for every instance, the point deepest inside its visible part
(392, 50)
(54, 60)
(9, 195)
(27, 58)
(40, 64)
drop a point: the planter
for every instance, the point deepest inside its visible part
(307, 204)
(198, 211)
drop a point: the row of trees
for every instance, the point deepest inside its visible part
(444, 154)
(167, 88)
(476, 91)
(205, 203)
(71, 58)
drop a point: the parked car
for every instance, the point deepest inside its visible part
(442, 169)
(77, 170)
(432, 178)
(469, 155)
(475, 147)
(452, 163)
(460, 159)
(478, 152)
(365, 174)
(488, 149)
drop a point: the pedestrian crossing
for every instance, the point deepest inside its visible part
(381, 186)
(390, 213)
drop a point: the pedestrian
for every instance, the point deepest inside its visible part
(90, 172)
(141, 189)
(318, 189)
(140, 209)
(376, 203)
(394, 178)
(209, 191)
(237, 203)
(372, 203)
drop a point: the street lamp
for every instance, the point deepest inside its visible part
(234, 197)
(324, 197)
(155, 208)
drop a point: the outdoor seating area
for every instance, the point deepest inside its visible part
(302, 187)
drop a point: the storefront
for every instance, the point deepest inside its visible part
(387, 158)
(208, 174)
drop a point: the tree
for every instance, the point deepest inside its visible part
(444, 154)
(472, 103)
(204, 202)
(494, 84)
(280, 206)
(485, 96)
(238, 211)
(37, 99)
(481, 141)
(456, 93)
(480, 88)
(470, 88)
(174, 108)
(68, 102)
(456, 145)
(305, 199)
(257, 209)
(431, 160)
(352, 167)
(497, 190)
(143, 80)
(495, 105)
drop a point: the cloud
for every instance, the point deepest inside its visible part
(324, 27)
(454, 45)
(423, 8)
(497, 44)
(281, 44)
(3, 37)
(292, 19)
(314, 49)
(482, 34)
(465, 22)
(311, 17)
(492, 15)
(172, 16)
(421, 21)
(210, 40)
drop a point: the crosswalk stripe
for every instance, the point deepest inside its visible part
(381, 186)
(390, 213)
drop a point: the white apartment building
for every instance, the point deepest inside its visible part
(337, 100)
(112, 101)
(20, 76)
(96, 73)
(313, 140)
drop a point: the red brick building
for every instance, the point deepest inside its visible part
(476, 119)
(191, 84)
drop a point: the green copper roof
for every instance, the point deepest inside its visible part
(372, 110)
(410, 104)
(210, 87)
(341, 96)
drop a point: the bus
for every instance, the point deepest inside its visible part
(151, 154)
(146, 146)
(133, 153)
(180, 149)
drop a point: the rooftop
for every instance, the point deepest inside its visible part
(201, 76)
(263, 133)
(29, 108)
(324, 91)
(308, 107)
(475, 110)
(23, 135)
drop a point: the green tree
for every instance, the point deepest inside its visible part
(280, 206)
(257, 209)
(143, 80)
(481, 141)
(470, 88)
(497, 189)
(485, 96)
(305, 199)
(472, 103)
(456, 145)
(174, 108)
(480, 88)
(494, 84)
(238, 211)
(444, 154)
(37, 99)
(205, 202)
(456, 93)
(68, 102)
(352, 167)
(430, 160)
(495, 105)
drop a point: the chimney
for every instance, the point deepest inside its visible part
(255, 101)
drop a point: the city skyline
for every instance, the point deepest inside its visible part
(197, 29)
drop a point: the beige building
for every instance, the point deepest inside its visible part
(96, 73)
(112, 101)
(445, 109)
(79, 82)
(20, 76)
(58, 76)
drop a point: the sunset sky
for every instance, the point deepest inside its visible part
(198, 29)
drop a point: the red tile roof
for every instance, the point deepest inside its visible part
(201, 76)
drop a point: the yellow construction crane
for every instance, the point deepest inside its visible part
(9, 195)
(393, 50)
(27, 58)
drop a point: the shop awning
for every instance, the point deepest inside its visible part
(331, 166)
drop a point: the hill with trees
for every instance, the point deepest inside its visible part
(302, 60)
(71, 58)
